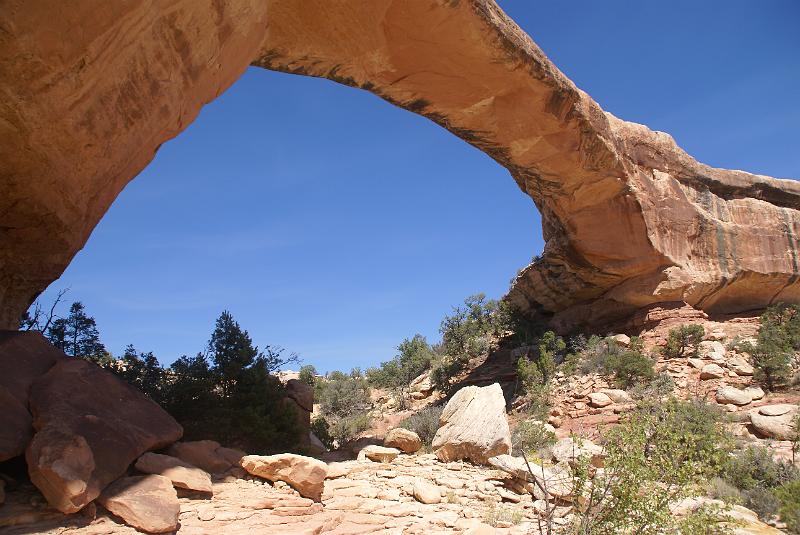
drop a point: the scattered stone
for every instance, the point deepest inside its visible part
(696, 363)
(181, 473)
(755, 392)
(729, 394)
(712, 371)
(712, 349)
(426, 492)
(617, 395)
(304, 474)
(569, 450)
(622, 340)
(337, 470)
(378, 454)
(403, 439)
(473, 426)
(740, 366)
(205, 454)
(599, 400)
(90, 426)
(147, 503)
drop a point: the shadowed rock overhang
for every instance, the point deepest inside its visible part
(89, 91)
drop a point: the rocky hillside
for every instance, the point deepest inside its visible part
(87, 111)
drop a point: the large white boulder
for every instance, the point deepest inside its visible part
(729, 394)
(473, 426)
(775, 421)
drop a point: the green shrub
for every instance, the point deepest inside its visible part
(684, 341)
(778, 339)
(756, 475)
(720, 489)
(347, 428)
(627, 366)
(414, 357)
(530, 437)
(660, 386)
(785, 320)
(320, 428)
(660, 454)
(424, 423)
(500, 515)
(789, 509)
(344, 404)
(307, 374)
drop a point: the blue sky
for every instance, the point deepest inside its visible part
(333, 224)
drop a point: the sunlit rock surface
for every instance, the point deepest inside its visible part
(89, 92)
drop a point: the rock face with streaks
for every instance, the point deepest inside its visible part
(91, 91)
(473, 426)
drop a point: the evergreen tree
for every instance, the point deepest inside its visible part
(77, 334)
(231, 350)
(143, 371)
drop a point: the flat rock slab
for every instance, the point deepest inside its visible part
(305, 474)
(147, 503)
(90, 427)
(181, 473)
(776, 410)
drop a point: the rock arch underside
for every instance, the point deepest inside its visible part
(90, 90)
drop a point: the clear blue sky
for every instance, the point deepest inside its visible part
(335, 225)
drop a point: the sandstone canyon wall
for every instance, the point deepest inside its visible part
(89, 91)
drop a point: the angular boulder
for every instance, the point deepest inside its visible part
(305, 474)
(301, 393)
(740, 366)
(379, 454)
(405, 440)
(712, 371)
(24, 357)
(207, 455)
(147, 503)
(473, 426)
(90, 426)
(180, 473)
(599, 400)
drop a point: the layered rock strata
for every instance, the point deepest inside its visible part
(90, 92)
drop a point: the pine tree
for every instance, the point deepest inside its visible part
(77, 334)
(231, 350)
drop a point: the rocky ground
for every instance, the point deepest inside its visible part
(410, 494)
(469, 486)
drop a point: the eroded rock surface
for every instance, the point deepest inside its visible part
(24, 357)
(90, 92)
(90, 426)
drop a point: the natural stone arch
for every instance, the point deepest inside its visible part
(90, 91)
